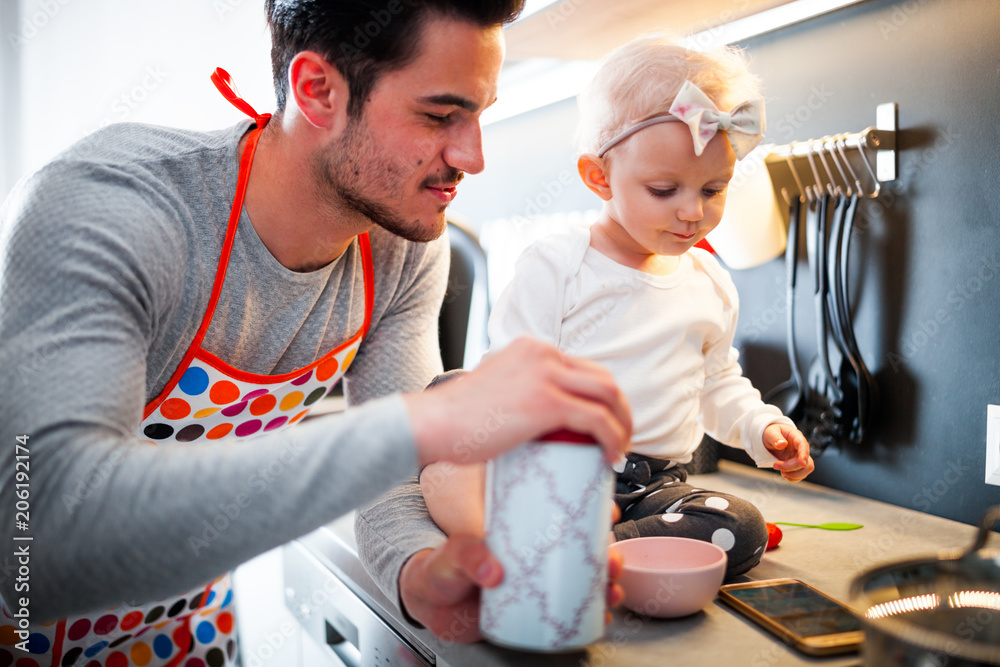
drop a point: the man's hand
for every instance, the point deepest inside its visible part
(792, 449)
(439, 588)
(527, 389)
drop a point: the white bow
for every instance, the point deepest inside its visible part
(744, 125)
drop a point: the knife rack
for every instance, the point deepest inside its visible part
(833, 171)
(817, 163)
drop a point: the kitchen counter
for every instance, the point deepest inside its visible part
(828, 560)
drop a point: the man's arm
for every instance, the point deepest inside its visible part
(114, 519)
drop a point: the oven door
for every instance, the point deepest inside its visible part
(342, 628)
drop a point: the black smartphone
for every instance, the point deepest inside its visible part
(809, 620)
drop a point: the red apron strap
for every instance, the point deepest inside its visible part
(243, 177)
(224, 83)
(366, 263)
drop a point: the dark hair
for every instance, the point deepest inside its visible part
(365, 39)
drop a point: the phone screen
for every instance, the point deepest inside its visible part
(798, 609)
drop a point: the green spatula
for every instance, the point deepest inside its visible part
(823, 526)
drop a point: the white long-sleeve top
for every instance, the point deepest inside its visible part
(668, 340)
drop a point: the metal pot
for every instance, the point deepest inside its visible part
(934, 612)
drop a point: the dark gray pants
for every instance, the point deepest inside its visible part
(657, 500)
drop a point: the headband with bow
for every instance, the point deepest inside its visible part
(744, 125)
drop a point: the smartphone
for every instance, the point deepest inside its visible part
(809, 620)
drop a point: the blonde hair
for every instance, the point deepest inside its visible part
(639, 80)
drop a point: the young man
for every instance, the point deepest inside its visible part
(152, 322)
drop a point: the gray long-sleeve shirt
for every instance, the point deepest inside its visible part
(107, 258)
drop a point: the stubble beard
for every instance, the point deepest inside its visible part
(354, 168)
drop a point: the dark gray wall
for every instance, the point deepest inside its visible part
(927, 252)
(929, 247)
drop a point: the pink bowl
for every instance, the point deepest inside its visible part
(668, 577)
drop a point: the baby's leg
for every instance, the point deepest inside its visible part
(669, 506)
(455, 496)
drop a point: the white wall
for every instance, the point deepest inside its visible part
(85, 63)
(9, 100)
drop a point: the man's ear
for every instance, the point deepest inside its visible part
(591, 170)
(319, 90)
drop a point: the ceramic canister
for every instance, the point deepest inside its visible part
(548, 519)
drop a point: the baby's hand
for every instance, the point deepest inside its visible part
(792, 449)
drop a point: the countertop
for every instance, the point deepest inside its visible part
(828, 560)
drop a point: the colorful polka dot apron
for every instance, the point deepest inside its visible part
(204, 399)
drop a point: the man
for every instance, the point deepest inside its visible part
(152, 322)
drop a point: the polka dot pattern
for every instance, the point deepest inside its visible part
(195, 629)
(224, 392)
(105, 624)
(194, 381)
(724, 539)
(717, 503)
(38, 643)
(292, 400)
(131, 619)
(175, 408)
(673, 508)
(248, 428)
(326, 369)
(276, 423)
(141, 654)
(208, 403)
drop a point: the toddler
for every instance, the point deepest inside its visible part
(661, 130)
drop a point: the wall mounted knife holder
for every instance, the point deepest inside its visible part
(825, 178)
(839, 161)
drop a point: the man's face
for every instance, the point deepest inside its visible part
(400, 162)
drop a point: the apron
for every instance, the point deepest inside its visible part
(204, 399)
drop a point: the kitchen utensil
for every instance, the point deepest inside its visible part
(866, 389)
(667, 577)
(547, 509)
(823, 526)
(824, 382)
(843, 361)
(788, 396)
(822, 392)
(941, 611)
